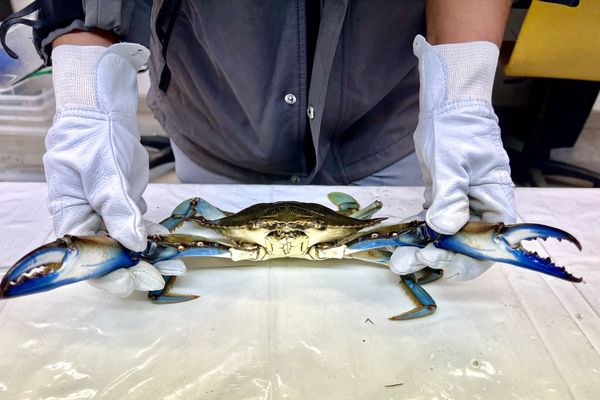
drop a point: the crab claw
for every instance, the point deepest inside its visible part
(514, 234)
(64, 261)
(502, 243)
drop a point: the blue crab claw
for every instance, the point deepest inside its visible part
(64, 261)
(502, 243)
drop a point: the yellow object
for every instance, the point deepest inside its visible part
(557, 41)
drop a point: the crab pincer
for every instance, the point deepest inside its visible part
(66, 260)
(503, 243)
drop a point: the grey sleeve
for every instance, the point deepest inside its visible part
(130, 19)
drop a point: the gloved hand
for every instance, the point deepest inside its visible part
(96, 167)
(458, 144)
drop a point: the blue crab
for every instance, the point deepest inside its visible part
(282, 229)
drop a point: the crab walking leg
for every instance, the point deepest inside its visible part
(185, 210)
(165, 296)
(347, 205)
(191, 208)
(424, 303)
(368, 211)
(166, 247)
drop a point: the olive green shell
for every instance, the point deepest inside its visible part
(289, 212)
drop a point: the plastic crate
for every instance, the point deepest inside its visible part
(26, 112)
(31, 100)
(20, 153)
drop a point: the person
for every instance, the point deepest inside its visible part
(303, 92)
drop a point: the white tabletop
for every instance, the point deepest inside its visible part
(309, 330)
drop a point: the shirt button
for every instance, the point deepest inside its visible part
(290, 98)
(310, 111)
(295, 179)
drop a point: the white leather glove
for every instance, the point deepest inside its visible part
(96, 167)
(458, 144)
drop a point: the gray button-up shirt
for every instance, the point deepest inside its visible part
(230, 84)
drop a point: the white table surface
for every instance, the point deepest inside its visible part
(294, 329)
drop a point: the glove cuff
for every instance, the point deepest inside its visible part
(97, 77)
(73, 75)
(468, 68)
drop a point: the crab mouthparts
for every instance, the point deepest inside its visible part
(288, 244)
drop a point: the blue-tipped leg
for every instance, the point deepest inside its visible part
(346, 204)
(428, 275)
(368, 211)
(165, 296)
(425, 304)
(411, 283)
(195, 206)
(190, 208)
(166, 247)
